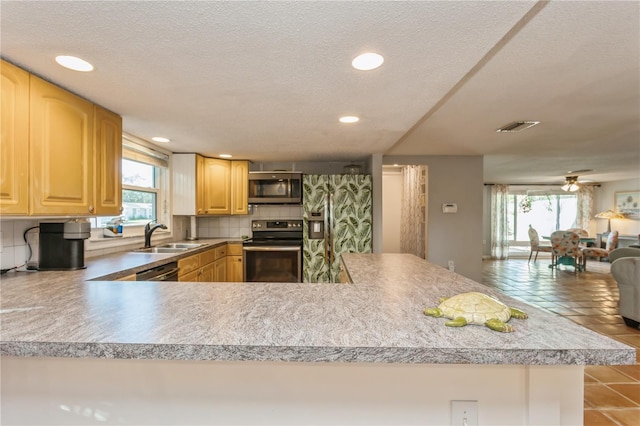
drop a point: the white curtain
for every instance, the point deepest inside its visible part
(585, 206)
(499, 224)
(412, 212)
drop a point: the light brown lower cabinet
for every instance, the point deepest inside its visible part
(208, 266)
(235, 269)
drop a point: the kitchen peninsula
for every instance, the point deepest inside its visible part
(279, 353)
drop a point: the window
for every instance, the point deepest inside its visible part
(144, 187)
(545, 211)
(139, 192)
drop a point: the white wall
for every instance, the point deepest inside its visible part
(391, 209)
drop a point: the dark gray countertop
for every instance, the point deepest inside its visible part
(377, 319)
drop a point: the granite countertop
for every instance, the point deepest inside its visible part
(378, 318)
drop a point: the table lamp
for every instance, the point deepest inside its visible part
(610, 214)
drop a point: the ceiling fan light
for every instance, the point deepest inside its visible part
(571, 184)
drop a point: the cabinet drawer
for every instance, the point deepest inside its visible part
(188, 264)
(207, 257)
(234, 249)
(221, 251)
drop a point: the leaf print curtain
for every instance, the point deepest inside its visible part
(412, 238)
(499, 223)
(585, 206)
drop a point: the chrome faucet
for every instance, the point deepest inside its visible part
(148, 230)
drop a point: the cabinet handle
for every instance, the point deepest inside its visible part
(91, 209)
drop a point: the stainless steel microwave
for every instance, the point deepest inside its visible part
(275, 187)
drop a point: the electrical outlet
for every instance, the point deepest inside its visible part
(452, 266)
(464, 413)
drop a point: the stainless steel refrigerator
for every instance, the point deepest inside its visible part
(336, 219)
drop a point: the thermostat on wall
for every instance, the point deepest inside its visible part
(449, 208)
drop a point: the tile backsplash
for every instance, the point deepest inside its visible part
(15, 251)
(238, 226)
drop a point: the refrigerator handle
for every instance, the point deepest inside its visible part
(331, 249)
(325, 228)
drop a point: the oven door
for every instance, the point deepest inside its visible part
(278, 264)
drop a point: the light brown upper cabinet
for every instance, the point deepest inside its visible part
(61, 151)
(239, 187)
(14, 142)
(209, 186)
(217, 181)
(108, 163)
(61, 154)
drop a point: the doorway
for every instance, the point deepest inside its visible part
(404, 209)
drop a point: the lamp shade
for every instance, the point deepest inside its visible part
(610, 214)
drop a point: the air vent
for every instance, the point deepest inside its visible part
(517, 126)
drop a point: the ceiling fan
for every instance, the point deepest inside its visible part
(571, 183)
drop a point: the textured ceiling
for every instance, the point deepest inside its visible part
(267, 81)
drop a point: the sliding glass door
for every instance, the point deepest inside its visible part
(544, 210)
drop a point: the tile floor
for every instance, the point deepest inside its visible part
(611, 393)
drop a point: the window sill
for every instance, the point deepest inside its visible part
(100, 242)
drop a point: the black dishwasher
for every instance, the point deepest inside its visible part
(167, 272)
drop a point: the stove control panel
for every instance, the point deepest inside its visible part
(276, 225)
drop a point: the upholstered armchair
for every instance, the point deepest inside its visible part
(566, 245)
(623, 252)
(612, 243)
(534, 241)
(626, 271)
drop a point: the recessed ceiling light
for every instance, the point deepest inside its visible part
(226, 155)
(367, 61)
(160, 139)
(349, 119)
(74, 63)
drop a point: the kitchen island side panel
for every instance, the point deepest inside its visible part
(59, 391)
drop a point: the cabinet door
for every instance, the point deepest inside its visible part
(220, 270)
(207, 273)
(14, 143)
(216, 186)
(234, 269)
(191, 277)
(188, 265)
(239, 187)
(108, 163)
(61, 147)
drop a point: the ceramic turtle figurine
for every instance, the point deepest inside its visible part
(476, 308)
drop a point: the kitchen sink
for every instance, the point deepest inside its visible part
(160, 250)
(181, 245)
(169, 248)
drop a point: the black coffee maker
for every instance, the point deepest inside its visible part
(61, 245)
